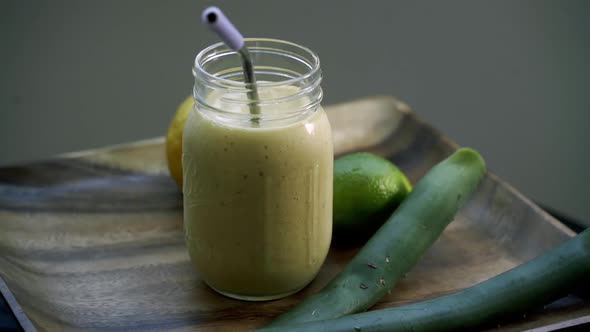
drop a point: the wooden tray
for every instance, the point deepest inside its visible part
(93, 240)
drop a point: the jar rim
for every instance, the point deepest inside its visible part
(313, 62)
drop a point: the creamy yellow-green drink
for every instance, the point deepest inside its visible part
(258, 189)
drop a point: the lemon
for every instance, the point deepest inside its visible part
(174, 140)
(367, 188)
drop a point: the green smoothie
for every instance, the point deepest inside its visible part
(258, 197)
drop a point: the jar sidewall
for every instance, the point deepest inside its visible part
(210, 153)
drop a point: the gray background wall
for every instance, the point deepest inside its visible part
(509, 78)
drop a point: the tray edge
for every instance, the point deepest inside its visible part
(21, 317)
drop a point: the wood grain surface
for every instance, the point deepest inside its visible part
(93, 240)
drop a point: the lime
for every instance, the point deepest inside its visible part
(367, 188)
(174, 140)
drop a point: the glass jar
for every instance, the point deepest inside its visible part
(257, 186)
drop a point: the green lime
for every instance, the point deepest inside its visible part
(367, 188)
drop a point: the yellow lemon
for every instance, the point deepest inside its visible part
(174, 140)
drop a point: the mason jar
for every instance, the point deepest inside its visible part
(257, 173)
